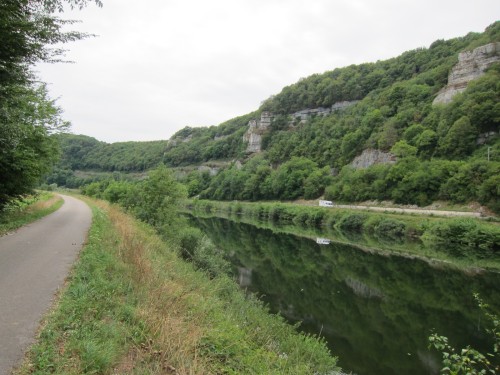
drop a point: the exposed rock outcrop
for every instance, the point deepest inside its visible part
(211, 170)
(370, 157)
(255, 130)
(307, 113)
(485, 137)
(471, 65)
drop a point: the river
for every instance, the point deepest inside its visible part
(375, 311)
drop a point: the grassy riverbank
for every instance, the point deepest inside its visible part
(23, 211)
(464, 241)
(132, 305)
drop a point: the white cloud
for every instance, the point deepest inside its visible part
(159, 65)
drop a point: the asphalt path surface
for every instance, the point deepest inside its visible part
(34, 262)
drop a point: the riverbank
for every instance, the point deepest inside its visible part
(467, 242)
(133, 305)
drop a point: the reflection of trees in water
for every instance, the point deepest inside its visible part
(376, 311)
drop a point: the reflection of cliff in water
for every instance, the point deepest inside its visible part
(361, 289)
(376, 311)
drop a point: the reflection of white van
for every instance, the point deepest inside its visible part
(325, 203)
(323, 241)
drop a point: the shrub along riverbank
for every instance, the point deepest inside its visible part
(460, 239)
(134, 305)
(25, 210)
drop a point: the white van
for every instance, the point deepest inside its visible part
(323, 203)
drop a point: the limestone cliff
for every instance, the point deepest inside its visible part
(471, 65)
(307, 113)
(256, 129)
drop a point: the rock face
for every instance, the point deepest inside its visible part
(485, 137)
(370, 157)
(211, 170)
(307, 113)
(471, 65)
(255, 130)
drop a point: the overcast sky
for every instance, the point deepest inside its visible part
(159, 65)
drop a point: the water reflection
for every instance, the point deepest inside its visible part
(323, 241)
(375, 311)
(244, 276)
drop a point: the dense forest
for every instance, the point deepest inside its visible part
(436, 149)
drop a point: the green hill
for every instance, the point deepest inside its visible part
(368, 131)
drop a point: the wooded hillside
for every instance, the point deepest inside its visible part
(439, 151)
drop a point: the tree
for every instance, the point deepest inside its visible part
(288, 180)
(27, 149)
(157, 199)
(402, 149)
(27, 116)
(460, 139)
(426, 142)
(315, 183)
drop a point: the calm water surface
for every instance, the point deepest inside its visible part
(375, 311)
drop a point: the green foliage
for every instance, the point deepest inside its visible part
(352, 223)
(460, 139)
(195, 145)
(24, 210)
(153, 200)
(463, 237)
(386, 228)
(27, 120)
(197, 248)
(28, 30)
(469, 361)
(80, 152)
(288, 180)
(402, 149)
(489, 192)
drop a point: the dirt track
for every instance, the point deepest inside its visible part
(417, 211)
(34, 261)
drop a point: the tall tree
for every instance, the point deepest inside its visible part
(28, 31)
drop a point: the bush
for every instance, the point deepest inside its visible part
(301, 218)
(465, 237)
(197, 248)
(316, 218)
(390, 229)
(189, 240)
(352, 223)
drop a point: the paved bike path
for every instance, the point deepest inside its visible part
(34, 261)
